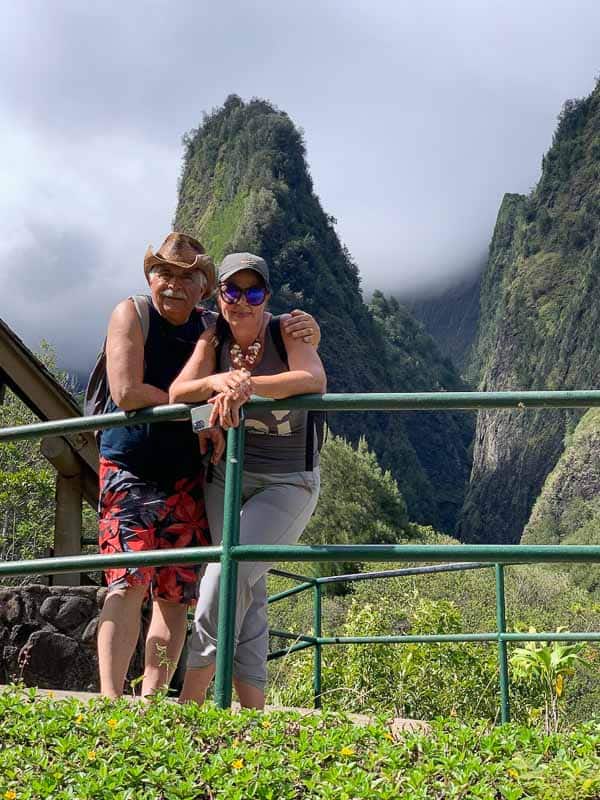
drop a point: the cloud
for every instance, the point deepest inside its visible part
(418, 117)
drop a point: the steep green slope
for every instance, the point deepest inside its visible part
(539, 321)
(451, 316)
(245, 185)
(568, 508)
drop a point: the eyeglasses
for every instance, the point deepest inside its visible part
(232, 293)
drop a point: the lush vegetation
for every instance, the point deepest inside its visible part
(568, 508)
(451, 315)
(538, 324)
(429, 680)
(245, 185)
(120, 751)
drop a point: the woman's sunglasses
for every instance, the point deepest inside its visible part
(232, 293)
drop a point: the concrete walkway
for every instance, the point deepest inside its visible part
(397, 725)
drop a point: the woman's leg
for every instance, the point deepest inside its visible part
(251, 652)
(276, 512)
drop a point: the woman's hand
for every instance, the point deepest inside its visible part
(300, 325)
(215, 437)
(236, 381)
(226, 409)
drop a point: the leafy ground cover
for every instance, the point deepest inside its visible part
(59, 749)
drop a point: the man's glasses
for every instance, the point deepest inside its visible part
(232, 293)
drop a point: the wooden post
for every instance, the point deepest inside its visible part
(67, 517)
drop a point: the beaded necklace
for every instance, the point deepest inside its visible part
(244, 360)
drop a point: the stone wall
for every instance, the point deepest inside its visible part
(48, 637)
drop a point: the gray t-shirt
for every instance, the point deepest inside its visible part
(275, 440)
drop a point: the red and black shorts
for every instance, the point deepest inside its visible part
(139, 515)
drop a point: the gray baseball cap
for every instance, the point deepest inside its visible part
(236, 262)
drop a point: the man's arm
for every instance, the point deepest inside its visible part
(125, 361)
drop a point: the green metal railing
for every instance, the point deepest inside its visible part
(231, 551)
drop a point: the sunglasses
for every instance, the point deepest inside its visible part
(232, 293)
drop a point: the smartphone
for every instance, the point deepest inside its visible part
(200, 418)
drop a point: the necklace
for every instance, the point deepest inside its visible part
(244, 360)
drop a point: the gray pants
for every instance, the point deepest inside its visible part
(275, 510)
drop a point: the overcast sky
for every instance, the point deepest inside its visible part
(417, 117)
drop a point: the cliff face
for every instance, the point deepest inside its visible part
(451, 317)
(245, 185)
(539, 318)
(568, 508)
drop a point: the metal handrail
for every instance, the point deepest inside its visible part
(231, 552)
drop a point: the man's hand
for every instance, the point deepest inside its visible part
(215, 436)
(301, 325)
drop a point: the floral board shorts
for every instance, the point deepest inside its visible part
(138, 515)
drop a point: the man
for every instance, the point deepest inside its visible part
(151, 476)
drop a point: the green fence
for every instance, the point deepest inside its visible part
(231, 551)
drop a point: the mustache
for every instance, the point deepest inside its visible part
(172, 293)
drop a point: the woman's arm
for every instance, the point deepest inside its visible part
(195, 381)
(125, 361)
(306, 374)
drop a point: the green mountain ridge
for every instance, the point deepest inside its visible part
(567, 510)
(245, 185)
(451, 316)
(539, 318)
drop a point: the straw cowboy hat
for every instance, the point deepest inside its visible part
(184, 251)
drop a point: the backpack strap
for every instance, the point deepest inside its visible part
(277, 337)
(142, 307)
(222, 331)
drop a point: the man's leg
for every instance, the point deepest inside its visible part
(175, 587)
(118, 631)
(164, 643)
(124, 526)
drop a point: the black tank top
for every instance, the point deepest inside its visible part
(165, 451)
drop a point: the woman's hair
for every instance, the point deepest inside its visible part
(222, 330)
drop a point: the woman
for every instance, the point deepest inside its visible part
(279, 493)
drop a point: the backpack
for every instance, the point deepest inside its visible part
(315, 420)
(97, 392)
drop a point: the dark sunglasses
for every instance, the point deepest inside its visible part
(232, 293)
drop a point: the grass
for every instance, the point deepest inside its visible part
(68, 749)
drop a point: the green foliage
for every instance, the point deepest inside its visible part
(545, 667)
(359, 502)
(415, 680)
(428, 679)
(119, 751)
(245, 185)
(567, 510)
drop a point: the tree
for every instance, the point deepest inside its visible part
(359, 502)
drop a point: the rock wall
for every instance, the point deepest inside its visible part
(48, 637)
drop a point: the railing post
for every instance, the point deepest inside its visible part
(502, 649)
(229, 567)
(317, 621)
